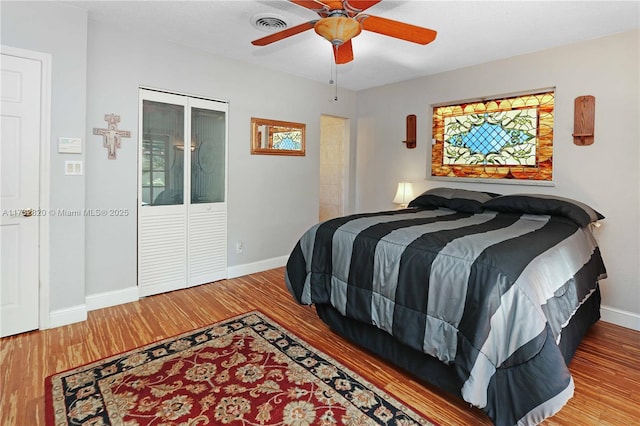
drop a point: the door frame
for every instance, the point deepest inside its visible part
(346, 160)
(45, 170)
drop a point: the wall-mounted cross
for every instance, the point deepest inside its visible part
(112, 136)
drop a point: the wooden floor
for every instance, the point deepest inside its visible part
(606, 367)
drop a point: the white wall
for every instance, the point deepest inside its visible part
(61, 31)
(604, 175)
(272, 199)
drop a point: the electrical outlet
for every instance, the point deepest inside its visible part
(239, 247)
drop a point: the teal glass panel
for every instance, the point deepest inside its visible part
(208, 136)
(497, 138)
(287, 140)
(162, 153)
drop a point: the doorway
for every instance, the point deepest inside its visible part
(334, 166)
(24, 193)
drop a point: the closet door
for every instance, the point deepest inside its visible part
(162, 211)
(182, 214)
(207, 211)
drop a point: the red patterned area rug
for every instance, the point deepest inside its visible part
(247, 370)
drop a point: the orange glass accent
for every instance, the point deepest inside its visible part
(338, 29)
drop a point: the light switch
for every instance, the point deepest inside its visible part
(73, 168)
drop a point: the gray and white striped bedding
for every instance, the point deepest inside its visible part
(486, 293)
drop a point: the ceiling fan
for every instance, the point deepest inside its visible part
(340, 21)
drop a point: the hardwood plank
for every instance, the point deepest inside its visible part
(606, 366)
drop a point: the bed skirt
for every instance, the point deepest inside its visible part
(429, 369)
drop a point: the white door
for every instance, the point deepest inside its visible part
(182, 213)
(20, 173)
(162, 214)
(207, 208)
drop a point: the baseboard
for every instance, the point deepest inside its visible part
(619, 317)
(68, 316)
(112, 298)
(252, 268)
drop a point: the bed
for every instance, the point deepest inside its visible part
(485, 296)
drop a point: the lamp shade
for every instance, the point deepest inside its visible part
(404, 194)
(337, 29)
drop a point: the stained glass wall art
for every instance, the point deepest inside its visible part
(504, 138)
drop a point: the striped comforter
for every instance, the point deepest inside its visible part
(487, 293)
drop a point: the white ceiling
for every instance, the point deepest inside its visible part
(469, 33)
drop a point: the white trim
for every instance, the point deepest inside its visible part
(607, 313)
(68, 316)
(252, 268)
(112, 298)
(188, 95)
(493, 97)
(620, 317)
(494, 180)
(45, 170)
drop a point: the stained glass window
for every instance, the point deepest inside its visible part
(506, 138)
(287, 140)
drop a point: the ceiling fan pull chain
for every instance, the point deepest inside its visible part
(331, 70)
(336, 88)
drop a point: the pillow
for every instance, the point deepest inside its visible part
(461, 200)
(576, 211)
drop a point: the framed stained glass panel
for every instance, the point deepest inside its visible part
(508, 138)
(277, 137)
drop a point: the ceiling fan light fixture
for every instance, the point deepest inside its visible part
(338, 29)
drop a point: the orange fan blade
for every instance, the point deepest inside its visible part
(323, 7)
(397, 29)
(284, 34)
(343, 53)
(317, 6)
(358, 6)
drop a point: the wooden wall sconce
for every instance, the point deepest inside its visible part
(583, 120)
(411, 131)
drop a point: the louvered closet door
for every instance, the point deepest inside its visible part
(182, 217)
(207, 220)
